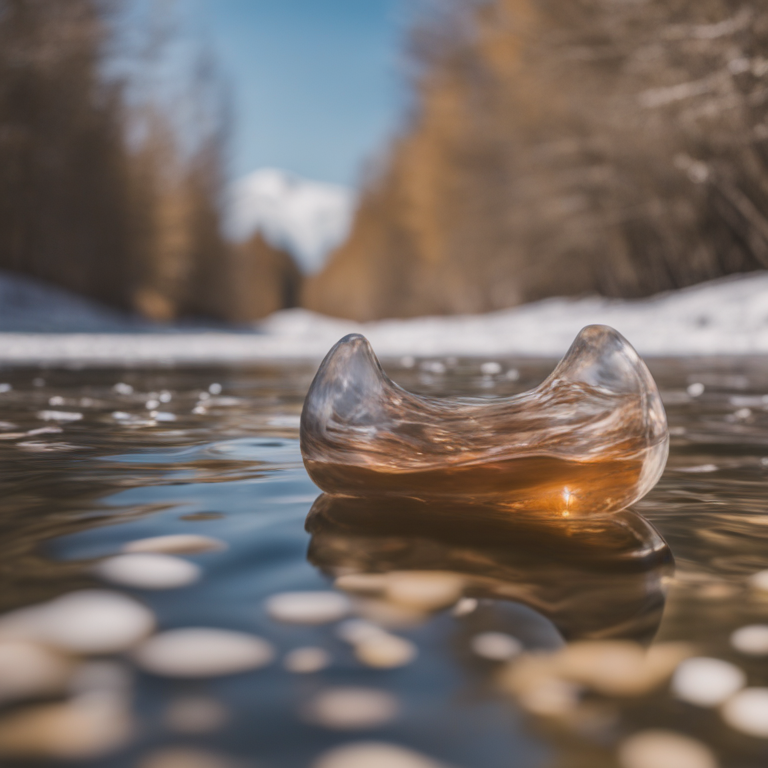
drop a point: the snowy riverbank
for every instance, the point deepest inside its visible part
(723, 317)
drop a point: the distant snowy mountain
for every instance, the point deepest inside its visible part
(306, 218)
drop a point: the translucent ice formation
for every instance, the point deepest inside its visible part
(597, 578)
(591, 439)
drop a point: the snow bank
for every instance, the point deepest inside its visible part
(722, 317)
(306, 218)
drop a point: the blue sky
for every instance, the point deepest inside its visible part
(317, 84)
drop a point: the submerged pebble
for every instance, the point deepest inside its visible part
(148, 571)
(351, 708)
(759, 581)
(195, 714)
(665, 749)
(747, 712)
(86, 622)
(424, 590)
(374, 754)
(83, 728)
(175, 544)
(496, 646)
(185, 757)
(28, 670)
(308, 607)
(707, 682)
(385, 651)
(203, 652)
(306, 660)
(465, 606)
(59, 416)
(751, 640)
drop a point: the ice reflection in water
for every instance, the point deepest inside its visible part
(454, 634)
(594, 578)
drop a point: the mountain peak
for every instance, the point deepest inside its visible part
(304, 217)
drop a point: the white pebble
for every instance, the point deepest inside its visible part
(707, 682)
(308, 607)
(56, 400)
(175, 544)
(59, 416)
(374, 754)
(759, 581)
(215, 388)
(5, 388)
(202, 652)
(163, 416)
(306, 660)
(696, 389)
(496, 646)
(408, 361)
(490, 369)
(352, 708)
(747, 712)
(122, 388)
(148, 571)
(86, 622)
(751, 640)
(665, 749)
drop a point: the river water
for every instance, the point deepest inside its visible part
(459, 636)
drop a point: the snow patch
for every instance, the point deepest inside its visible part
(727, 317)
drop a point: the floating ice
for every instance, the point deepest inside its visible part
(591, 439)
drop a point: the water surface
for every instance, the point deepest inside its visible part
(215, 453)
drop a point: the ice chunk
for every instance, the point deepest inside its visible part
(591, 439)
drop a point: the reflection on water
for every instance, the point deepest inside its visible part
(595, 578)
(162, 605)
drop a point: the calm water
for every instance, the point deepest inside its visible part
(229, 467)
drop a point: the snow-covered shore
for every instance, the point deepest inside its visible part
(725, 317)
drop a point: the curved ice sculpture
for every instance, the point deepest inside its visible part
(591, 439)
